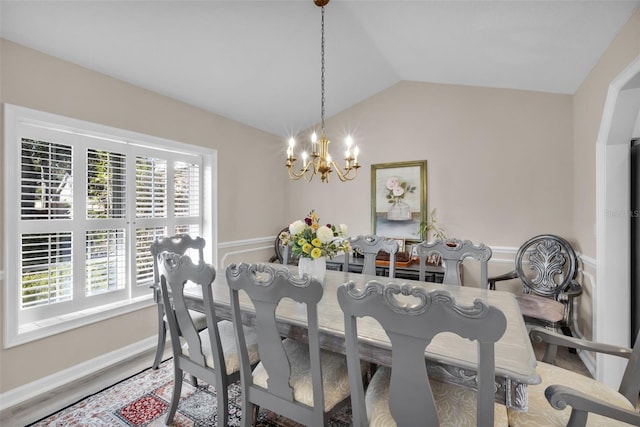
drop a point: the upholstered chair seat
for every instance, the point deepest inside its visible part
(335, 375)
(534, 306)
(541, 413)
(456, 405)
(566, 398)
(199, 319)
(229, 349)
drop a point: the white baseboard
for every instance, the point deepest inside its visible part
(35, 400)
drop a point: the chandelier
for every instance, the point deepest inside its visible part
(319, 161)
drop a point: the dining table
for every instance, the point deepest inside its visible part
(449, 357)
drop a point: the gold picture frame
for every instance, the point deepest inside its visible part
(399, 199)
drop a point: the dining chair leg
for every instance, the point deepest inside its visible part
(254, 417)
(162, 338)
(177, 389)
(223, 407)
(248, 412)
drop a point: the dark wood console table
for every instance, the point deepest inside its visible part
(412, 271)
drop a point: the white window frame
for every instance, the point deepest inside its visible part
(21, 122)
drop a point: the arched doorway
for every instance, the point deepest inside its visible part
(611, 311)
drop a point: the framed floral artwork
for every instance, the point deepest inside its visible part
(399, 199)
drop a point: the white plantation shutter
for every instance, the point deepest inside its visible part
(106, 181)
(90, 204)
(151, 188)
(144, 260)
(47, 276)
(45, 180)
(186, 189)
(193, 229)
(106, 261)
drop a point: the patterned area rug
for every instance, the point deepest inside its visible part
(143, 400)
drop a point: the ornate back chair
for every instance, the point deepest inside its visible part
(403, 393)
(592, 402)
(283, 253)
(294, 379)
(369, 246)
(546, 266)
(179, 244)
(209, 354)
(452, 252)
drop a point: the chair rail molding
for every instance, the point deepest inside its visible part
(241, 243)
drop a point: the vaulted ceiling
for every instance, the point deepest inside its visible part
(258, 62)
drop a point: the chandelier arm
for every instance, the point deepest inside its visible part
(344, 175)
(303, 171)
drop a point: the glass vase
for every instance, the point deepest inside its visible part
(315, 268)
(399, 211)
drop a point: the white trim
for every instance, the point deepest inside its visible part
(59, 324)
(46, 385)
(588, 261)
(246, 242)
(244, 251)
(504, 249)
(611, 313)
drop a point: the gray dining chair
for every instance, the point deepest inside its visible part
(452, 253)
(546, 267)
(180, 244)
(592, 402)
(295, 379)
(403, 394)
(369, 246)
(210, 354)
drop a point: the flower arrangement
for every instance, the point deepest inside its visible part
(398, 189)
(308, 239)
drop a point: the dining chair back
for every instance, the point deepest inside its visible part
(412, 317)
(567, 398)
(294, 378)
(179, 244)
(546, 267)
(210, 354)
(283, 253)
(369, 246)
(452, 253)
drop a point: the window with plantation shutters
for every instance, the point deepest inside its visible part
(88, 203)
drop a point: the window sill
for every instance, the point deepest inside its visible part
(55, 325)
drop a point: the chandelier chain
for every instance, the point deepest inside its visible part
(322, 73)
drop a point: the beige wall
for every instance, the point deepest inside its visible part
(31, 79)
(589, 102)
(499, 162)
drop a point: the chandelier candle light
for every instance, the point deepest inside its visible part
(320, 160)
